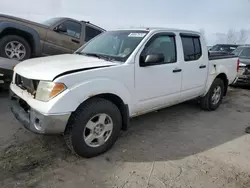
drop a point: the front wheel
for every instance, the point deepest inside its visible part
(93, 128)
(212, 100)
(14, 47)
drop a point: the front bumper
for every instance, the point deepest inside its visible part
(35, 121)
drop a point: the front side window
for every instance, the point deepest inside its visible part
(162, 45)
(73, 28)
(116, 45)
(191, 48)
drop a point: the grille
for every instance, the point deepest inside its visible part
(20, 102)
(27, 84)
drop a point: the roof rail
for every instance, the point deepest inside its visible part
(88, 22)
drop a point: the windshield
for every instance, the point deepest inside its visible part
(237, 51)
(245, 53)
(225, 48)
(51, 21)
(115, 45)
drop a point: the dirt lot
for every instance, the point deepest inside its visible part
(181, 146)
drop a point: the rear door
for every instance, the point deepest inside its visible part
(64, 42)
(194, 65)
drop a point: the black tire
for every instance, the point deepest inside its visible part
(9, 38)
(206, 101)
(75, 129)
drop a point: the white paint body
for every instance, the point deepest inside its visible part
(143, 89)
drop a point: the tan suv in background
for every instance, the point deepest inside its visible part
(22, 39)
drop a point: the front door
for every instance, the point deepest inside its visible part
(63, 42)
(158, 85)
(194, 65)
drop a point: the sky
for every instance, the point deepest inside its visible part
(214, 16)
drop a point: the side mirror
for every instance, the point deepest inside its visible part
(151, 59)
(61, 28)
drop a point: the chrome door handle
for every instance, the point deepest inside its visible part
(202, 66)
(177, 70)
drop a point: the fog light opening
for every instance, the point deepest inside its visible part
(37, 124)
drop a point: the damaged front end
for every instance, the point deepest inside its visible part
(244, 74)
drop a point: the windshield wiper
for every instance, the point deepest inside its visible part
(80, 53)
(100, 56)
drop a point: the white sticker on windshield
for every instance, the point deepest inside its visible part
(137, 34)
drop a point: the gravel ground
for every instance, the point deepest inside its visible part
(180, 146)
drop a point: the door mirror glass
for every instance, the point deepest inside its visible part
(152, 59)
(159, 50)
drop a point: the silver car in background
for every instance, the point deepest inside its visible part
(243, 52)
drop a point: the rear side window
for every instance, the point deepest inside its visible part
(91, 33)
(191, 47)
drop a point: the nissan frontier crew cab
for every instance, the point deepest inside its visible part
(89, 96)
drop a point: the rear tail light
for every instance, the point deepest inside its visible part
(238, 65)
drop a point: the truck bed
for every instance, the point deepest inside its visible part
(226, 64)
(215, 57)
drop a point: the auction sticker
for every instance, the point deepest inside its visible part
(137, 34)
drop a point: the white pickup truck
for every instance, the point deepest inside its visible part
(89, 96)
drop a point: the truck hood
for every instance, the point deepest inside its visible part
(47, 68)
(4, 16)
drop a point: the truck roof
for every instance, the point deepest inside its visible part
(93, 25)
(162, 29)
(86, 22)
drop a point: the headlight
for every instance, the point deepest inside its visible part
(48, 90)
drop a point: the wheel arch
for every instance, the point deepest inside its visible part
(224, 78)
(29, 34)
(115, 99)
(211, 80)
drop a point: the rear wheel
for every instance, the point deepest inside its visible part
(213, 98)
(93, 128)
(14, 47)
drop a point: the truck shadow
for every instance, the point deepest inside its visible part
(3, 93)
(181, 131)
(241, 86)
